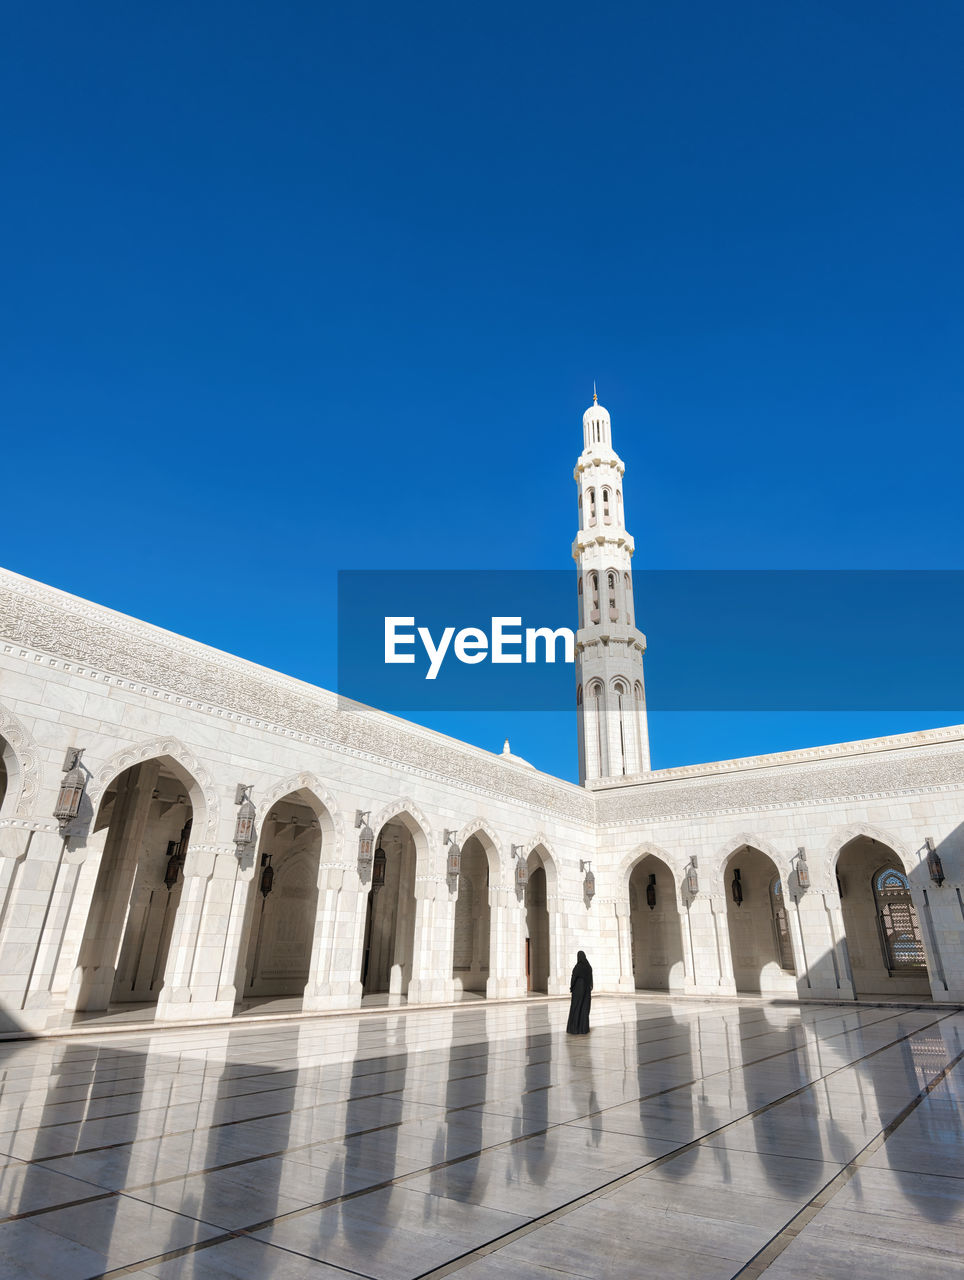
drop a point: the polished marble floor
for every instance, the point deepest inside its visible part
(679, 1139)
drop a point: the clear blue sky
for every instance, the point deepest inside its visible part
(293, 287)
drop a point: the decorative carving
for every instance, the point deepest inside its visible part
(24, 780)
(113, 649)
(846, 834)
(333, 840)
(204, 800)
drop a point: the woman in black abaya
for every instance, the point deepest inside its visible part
(580, 984)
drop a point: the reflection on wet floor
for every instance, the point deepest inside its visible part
(680, 1139)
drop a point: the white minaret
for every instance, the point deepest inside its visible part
(610, 696)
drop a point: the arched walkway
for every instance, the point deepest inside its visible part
(656, 930)
(390, 914)
(284, 898)
(470, 946)
(760, 941)
(880, 921)
(148, 813)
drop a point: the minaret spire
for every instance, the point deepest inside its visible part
(610, 697)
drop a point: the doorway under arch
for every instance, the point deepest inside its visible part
(758, 923)
(470, 944)
(655, 927)
(284, 898)
(390, 911)
(537, 926)
(148, 814)
(883, 932)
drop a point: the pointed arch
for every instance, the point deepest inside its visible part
(204, 800)
(541, 847)
(746, 840)
(844, 835)
(21, 757)
(647, 850)
(406, 811)
(489, 841)
(326, 809)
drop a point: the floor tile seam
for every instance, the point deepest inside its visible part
(760, 1263)
(494, 1246)
(180, 1133)
(466, 1107)
(267, 1115)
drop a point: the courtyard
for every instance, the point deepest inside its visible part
(682, 1138)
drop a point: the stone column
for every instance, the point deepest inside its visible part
(186, 954)
(559, 970)
(31, 855)
(813, 948)
(507, 945)
(723, 958)
(431, 981)
(624, 926)
(92, 982)
(334, 980)
(838, 955)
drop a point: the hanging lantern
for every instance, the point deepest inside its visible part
(521, 872)
(267, 875)
(366, 843)
(173, 868)
(455, 856)
(589, 883)
(71, 788)
(692, 878)
(934, 868)
(378, 869)
(244, 827)
(803, 871)
(651, 892)
(736, 887)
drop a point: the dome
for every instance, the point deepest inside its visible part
(507, 755)
(595, 413)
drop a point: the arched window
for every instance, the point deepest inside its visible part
(595, 744)
(620, 691)
(591, 495)
(781, 926)
(900, 936)
(628, 596)
(605, 506)
(580, 509)
(619, 505)
(611, 584)
(582, 606)
(594, 597)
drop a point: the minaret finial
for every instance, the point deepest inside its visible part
(595, 398)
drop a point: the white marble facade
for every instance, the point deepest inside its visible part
(145, 899)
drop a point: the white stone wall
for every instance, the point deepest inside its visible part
(74, 674)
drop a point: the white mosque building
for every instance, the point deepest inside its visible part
(186, 836)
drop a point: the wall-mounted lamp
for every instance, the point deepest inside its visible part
(589, 883)
(934, 868)
(736, 887)
(454, 865)
(244, 827)
(692, 877)
(366, 840)
(651, 891)
(71, 788)
(521, 867)
(803, 871)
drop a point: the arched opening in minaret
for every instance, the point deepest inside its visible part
(470, 946)
(148, 813)
(656, 928)
(594, 713)
(758, 921)
(593, 593)
(537, 926)
(881, 924)
(624, 753)
(283, 898)
(390, 914)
